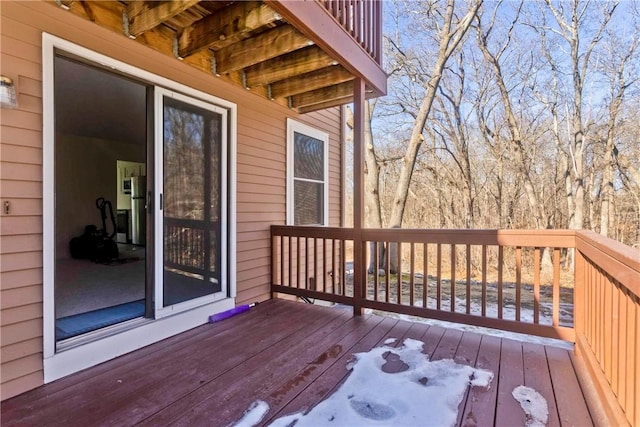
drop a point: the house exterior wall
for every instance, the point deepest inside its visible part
(261, 173)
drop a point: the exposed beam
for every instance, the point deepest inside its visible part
(325, 105)
(262, 47)
(320, 95)
(334, 103)
(144, 16)
(225, 27)
(310, 81)
(283, 67)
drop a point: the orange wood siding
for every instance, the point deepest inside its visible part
(261, 177)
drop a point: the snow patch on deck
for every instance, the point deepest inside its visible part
(533, 404)
(422, 392)
(254, 414)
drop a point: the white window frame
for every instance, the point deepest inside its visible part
(119, 339)
(294, 126)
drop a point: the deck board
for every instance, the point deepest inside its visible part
(536, 376)
(572, 408)
(508, 410)
(479, 409)
(292, 356)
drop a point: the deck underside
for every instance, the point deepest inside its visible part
(291, 356)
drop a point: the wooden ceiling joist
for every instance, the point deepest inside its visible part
(268, 45)
(245, 43)
(283, 67)
(228, 26)
(326, 104)
(310, 81)
(329, 93)
(144, 16)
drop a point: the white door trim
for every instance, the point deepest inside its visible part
(80, 357)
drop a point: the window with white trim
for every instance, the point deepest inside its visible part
(307, 175)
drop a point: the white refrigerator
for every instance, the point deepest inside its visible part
(138, 210)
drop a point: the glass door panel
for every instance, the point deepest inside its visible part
(191, 200)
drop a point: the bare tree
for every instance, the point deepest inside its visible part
(571, 25)
(450, 35)
(616, 69)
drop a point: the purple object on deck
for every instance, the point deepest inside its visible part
(230, 313)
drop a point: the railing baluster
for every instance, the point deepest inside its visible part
(453, 279)
(613, 327)
(518, 281)
(556, 287)
(536, 285)
(500, 262)
(468, 279)
(387, 261)
(281, 239)
(399, 273)
(324, 265)
(335, 273)
(484, 280)
(438, 276)
(290, 279)
(425, 273)
(298, 262)
(315, 264)
(412, 273)
(306, 262)
(615, 339)
(376, 269)
(342, 285)
(621, 350)
(635, 382)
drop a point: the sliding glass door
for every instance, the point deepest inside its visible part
(191, 213)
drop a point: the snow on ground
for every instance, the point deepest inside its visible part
(533, 404)
(476, 310)
(425, 393)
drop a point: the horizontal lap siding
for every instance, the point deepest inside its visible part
(21, 231)
(261, 177)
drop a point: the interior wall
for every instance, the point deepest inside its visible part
(86, 168)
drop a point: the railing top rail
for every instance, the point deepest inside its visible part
(619, 260)
(535, 238)
(531, 238)
(317, 232)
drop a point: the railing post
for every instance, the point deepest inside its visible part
(358, 194)
(579, 304)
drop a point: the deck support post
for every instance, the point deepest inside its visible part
(359, 252)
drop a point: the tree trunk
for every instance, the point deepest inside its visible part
(449, 41)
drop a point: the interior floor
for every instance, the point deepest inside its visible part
(83, 285)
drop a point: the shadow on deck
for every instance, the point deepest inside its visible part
(292, 356)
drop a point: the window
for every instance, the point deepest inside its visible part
(307, 175)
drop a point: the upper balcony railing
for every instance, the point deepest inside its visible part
(362, 19)
(573, 285)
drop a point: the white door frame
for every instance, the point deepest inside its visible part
(58, 363)
(160, 309)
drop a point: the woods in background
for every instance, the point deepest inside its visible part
(508, 115)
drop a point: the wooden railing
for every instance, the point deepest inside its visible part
(188, 247)
(608, 322)
(480, 277)
(520, 281)
(362, 19)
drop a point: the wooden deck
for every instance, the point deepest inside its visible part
(292, 356)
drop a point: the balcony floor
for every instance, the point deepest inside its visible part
(292, 356)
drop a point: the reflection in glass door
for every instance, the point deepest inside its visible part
(191, 200)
